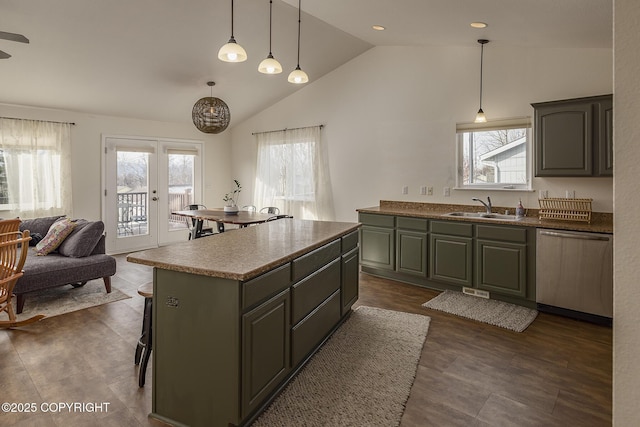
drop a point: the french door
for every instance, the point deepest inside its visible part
(144, 181)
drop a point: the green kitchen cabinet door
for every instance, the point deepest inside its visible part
(266, 349)
(377, 247)
(451, 259)
(411, 253)
(605, 142)
(349, 281)
(501, 267)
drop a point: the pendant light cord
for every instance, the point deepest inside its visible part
(232, 19)
(270, 23)
(481, 60)
(299, 15)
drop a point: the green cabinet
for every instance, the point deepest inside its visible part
(266, 349)
(350, 270)
(377, 241)
(411, 246)
(501, 260)
(574, 137)
(451, 252)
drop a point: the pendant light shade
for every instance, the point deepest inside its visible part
(480, 117)
(232, 51)
(211, 115)
(270, 65)
(298, 76)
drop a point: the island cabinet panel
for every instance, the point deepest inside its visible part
(308, 263)
(309, 333)
(314, 289)
(196, 354)
(265, 285)
(266, 350)
(350, 272)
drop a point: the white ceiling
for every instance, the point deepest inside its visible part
(151, 59)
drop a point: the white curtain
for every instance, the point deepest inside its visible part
(37, 168)
(292, 174)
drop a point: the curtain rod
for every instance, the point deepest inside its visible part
(285, 129)
(36, 120)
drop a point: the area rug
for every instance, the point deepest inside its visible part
(65, 299)
(362, 376)
(493, 312)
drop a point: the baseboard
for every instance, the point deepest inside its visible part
(579, 315)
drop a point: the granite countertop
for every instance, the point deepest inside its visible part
(246, 252)
(601, 222)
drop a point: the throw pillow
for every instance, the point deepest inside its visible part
(39, 225)
(56, 234)
(82, 240)
(35, 238)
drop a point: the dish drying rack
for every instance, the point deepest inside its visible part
(565, 209)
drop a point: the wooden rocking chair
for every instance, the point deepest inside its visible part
(13, 253)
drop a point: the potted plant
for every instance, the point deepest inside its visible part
(231, 198)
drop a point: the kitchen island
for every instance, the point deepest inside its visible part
(237, 314)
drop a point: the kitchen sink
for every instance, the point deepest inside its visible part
(482, 215)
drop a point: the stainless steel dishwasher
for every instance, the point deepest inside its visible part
(574, 274)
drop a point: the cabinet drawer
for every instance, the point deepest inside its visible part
(417, 224)
(349, 241)
(265, 285)
(311, 291)
(504, 234)
(452, 228)
(314, 260)
(377, 220)
(306, 335)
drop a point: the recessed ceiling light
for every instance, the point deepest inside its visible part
(378, 27)
(478, 25)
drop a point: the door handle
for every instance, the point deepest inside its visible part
(155, 199)
(573, 236)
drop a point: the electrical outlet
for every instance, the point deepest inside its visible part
(430, 191)
(423, 190)
(543, 194)
(446, 191)
(570, 194)
(405, 190)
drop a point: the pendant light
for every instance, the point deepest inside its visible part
(211, 115)
(480, 117)
(232, 51)
(298, 76)
(270, 65)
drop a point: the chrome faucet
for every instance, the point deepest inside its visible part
(486, 205)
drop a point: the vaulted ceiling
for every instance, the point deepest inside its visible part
(151, 59)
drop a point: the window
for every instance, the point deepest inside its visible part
(292, 174)
(35, 177)
(494, 155)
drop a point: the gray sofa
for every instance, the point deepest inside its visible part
(79, 258)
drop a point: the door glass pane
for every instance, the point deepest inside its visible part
(132, 170)
(181, 183)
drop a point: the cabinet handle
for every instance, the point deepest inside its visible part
(574, 236)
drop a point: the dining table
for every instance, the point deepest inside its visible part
(222, 217)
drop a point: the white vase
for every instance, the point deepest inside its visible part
(231, 209)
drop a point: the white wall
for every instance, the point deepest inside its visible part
(86, 140)
(390, 117)
(626, 332)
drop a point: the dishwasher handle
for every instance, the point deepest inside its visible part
(574, 236)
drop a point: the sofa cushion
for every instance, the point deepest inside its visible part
(82, 240)
(39, 225)
(56, 234)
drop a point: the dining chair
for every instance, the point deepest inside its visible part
(270, 210)
(192, 223)
(275, 217)
(249, 208)
(13, 253)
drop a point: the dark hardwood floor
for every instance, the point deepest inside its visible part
(558, 372)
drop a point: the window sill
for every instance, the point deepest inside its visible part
(522, 190)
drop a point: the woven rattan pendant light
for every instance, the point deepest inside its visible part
(211, 115)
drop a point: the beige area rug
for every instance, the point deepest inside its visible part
(362, 376)
(65, 299)
(493, 312)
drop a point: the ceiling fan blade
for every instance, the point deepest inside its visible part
(13, 37)
(4, 55)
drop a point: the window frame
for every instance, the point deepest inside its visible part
(504, 124)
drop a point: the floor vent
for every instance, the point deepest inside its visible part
(476, 292)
